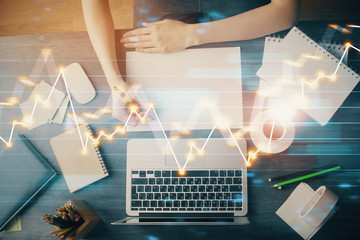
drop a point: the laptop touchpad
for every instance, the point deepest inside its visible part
(181, 149)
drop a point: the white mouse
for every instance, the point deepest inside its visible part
(79, 84)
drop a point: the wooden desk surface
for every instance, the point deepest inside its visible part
(19, 17)
(337, 142)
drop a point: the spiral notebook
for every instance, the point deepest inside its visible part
(270, 46)
(79, 168)
(272, 42)
(293, 68)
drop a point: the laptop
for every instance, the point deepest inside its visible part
(212, 190)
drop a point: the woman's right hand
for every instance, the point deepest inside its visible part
(124, 105)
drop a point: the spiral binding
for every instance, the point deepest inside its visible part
(326, 53)
(101, 161)
(330, 47)
(333, 48)
(274, 39)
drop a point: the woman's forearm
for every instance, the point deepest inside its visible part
(273, 17)
(101, 31)
(171, 35)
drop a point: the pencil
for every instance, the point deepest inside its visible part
(305, 177)
(291, 175)
(301, 173)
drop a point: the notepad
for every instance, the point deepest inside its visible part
(272, 42)
(79, 168)
(298, 59)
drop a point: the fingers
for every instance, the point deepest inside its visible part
(139, 38)
(136, 32)
(133, 119)
(129, 108)
(144, 30)
(145, 50)
(157, 37)
(149, 50)
(140, 45)
(150, 116)
(123, 116)
(133, 122)
(138, 41)
(130, 113)
(143, 38)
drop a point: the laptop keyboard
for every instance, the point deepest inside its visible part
(196, 191)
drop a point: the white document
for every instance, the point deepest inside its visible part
(191, 89)
(298, 59)
(43, 113)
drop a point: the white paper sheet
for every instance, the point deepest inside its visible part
(299, 59)
(43, 113)
(191, 89)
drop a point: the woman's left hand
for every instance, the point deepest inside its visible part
(160, 37)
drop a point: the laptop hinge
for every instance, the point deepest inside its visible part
(186, 215)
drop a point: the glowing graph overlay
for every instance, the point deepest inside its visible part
(10, 102)
(322, 76)
(122, 129)
(151, 109)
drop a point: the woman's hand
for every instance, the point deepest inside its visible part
(125, 105)
(161, 37)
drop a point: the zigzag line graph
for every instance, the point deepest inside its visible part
(151, 108)
(330, 77)
(122, 130)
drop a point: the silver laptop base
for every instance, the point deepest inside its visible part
(182, 221)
